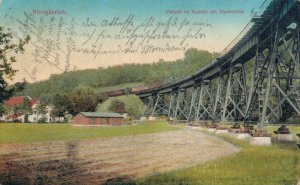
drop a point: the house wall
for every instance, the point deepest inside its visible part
(98, 121)
(82, 120)
(104, 121)
(35, 117)
(94, 121)
(117, 121)
(2, 117)
(57, 119)
(20, 118)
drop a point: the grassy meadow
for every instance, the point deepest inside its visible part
(278, 164)
(26, 133)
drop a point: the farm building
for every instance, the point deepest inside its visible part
(98, 118)
(15, 115)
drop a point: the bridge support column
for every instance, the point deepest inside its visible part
(172, 105)
(149, 104)
(276, 89)
(220, 98)
(224, 116)
(205, 104)
(236, 94)
(182, 106)
(194, 103)
(160, 106)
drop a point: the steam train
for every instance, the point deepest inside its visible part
(128, 90)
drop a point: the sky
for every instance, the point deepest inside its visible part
(100, 33)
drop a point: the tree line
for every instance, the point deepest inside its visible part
(74, 92)
(86, 81)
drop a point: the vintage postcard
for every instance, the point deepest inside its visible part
(149, 92)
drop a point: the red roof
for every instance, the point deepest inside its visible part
(19, 100)
(13, 101)
(33, 101)
(13, 116)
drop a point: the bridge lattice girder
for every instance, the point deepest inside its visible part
(224, 90)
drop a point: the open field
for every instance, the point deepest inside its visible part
(20, 132)
(153, 153)
(107, 160)
(275, 165)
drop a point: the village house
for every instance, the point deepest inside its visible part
(33, 117)
(98, 118)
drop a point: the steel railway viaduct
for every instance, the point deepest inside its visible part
(255, 79)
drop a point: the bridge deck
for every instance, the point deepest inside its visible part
(243, 46)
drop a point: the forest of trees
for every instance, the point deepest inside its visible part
(85, 80)
(77, 91)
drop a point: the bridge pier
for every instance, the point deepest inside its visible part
(205, 103)
(182, 105)
(160, 106)
(149, 104)
(236, 94)
(194, 103)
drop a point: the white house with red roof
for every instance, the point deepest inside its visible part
(35, 116)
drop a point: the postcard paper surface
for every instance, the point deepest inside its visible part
(74, 35)
(149, 92)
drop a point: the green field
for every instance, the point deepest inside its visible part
(24, 133)
(278, 164)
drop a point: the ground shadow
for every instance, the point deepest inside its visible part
(52, 172)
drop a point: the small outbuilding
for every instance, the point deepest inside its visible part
(98, 118)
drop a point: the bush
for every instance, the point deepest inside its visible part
(133, 105)
(117, 106)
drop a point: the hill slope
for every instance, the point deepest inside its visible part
(133, 105)
(93, 80)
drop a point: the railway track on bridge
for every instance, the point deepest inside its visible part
(268, 48)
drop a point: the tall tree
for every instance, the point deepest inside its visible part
(82, 103)
(25, 108)
(61, 104)
(42, 110)
(8, 48)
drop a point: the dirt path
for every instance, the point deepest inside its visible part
(99, 161)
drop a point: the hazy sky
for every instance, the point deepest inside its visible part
(95, 33)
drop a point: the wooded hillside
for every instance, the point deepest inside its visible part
(92, 80)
